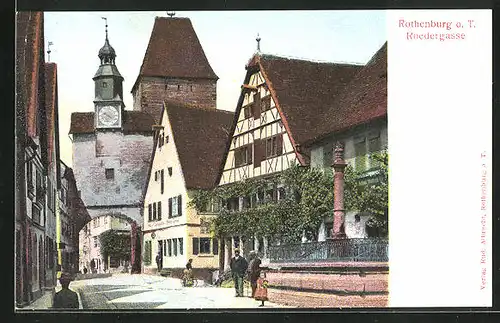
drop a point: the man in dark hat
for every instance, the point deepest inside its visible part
(65, 298)
(239, 267)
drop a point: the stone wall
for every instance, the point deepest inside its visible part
(128, 155)
(333, 286)
(152, 91)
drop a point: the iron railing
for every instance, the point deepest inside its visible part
(351, 250)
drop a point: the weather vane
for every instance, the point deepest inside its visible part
(48, 49)
(258, 42)
(106, 20)
(170, 13)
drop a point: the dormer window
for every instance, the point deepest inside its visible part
(104, 84)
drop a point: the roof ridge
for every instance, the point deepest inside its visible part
(313, 60)
(194, 107)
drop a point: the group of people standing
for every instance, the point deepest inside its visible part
(251, 269)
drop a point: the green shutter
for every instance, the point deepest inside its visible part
(179, 205)
(215, 247)
(196, 246)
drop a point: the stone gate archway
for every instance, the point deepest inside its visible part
(89, 241)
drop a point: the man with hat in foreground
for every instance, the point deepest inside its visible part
(239, 267)
(65, 298)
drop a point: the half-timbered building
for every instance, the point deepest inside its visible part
(189, 145)
(281, 102)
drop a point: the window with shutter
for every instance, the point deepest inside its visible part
(169, 241)
(265, 103)
(162, 181)
(215, 247)
(159, 210)
(196, 246)
(204, 245)
(174, 248)
(247, 110)
(154, 211)
(256, 106)
(258, 152)
(170, 207)
(179, 205)
(279, 144)
(360, 153)
(181, 246)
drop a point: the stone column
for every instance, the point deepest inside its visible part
(241, 246)
(227, 252)
(339, 166)
(265, 247)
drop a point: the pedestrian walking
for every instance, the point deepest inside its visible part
(261, 291)
(159, 262)
(187, 277)
(253, 270)
(65, 298)
(238, 267)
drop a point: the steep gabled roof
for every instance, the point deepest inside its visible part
(303, 89)
(29, 54)
(174, 50)
(200, 137)
(133, 122)
(51, 108)
(362, 100)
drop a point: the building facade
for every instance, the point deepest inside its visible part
(36, 161)
(90, 244)
(72, 217)
(111, 147)
(358, 120)
(189, 145)
(280, 102)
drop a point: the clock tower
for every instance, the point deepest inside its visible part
(108, 82)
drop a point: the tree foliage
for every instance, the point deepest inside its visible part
(308, 200)
(370, 192)
(115, 244)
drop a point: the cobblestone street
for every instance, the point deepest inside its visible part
(123, 291)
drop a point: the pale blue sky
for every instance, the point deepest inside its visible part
(228, 39)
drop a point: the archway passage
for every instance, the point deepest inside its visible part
(110, 242)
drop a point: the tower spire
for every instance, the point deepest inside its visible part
(48, 50)
(258, 42)
(107, 53)
(106, 27)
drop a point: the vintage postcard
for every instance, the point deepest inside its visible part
(253, 159)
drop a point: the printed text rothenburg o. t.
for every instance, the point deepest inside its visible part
(436, 30)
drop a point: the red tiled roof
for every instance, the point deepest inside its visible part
(304, 89)
(133, 121)
(174, 50)
(200, 136)
(28, 55)
(51, 105)
(362, 100)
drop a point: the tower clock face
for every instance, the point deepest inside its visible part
(108, 116)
